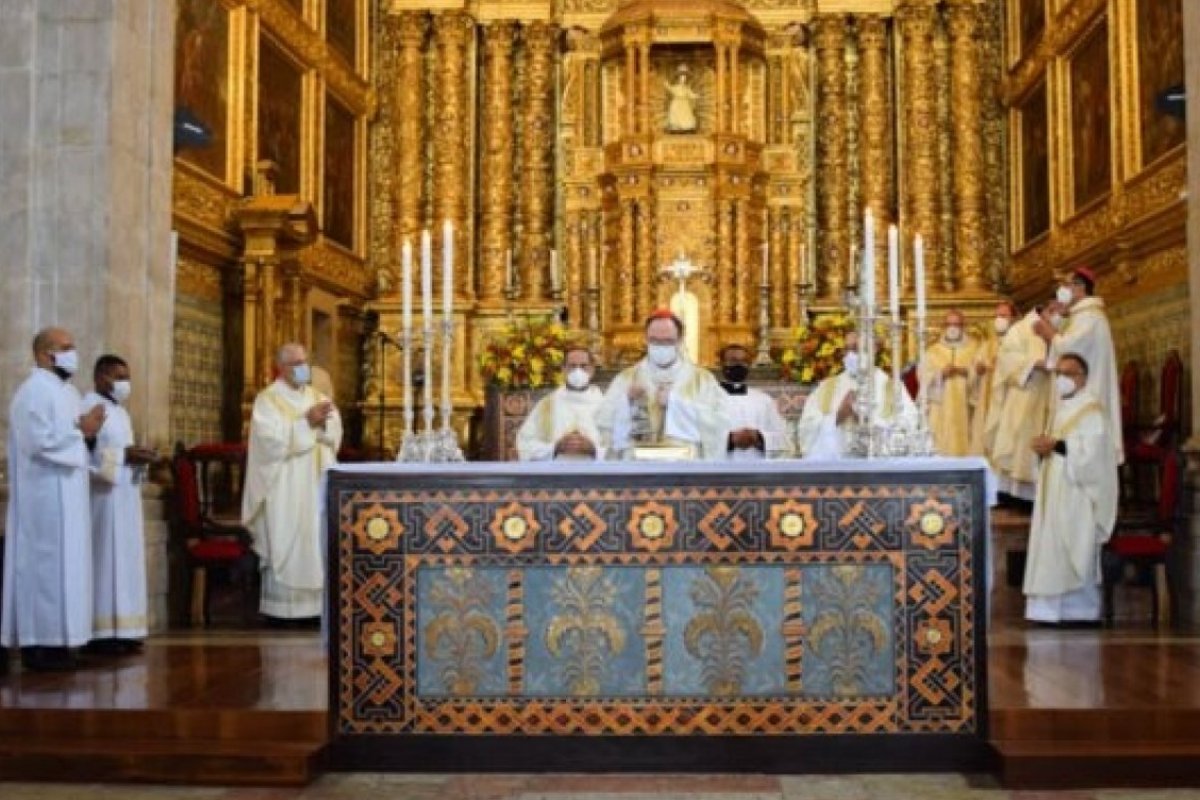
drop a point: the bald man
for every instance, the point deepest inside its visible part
(48, 547)
(295, 432)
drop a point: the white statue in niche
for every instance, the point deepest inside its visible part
(681, 108)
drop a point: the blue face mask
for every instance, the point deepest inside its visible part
(302, 374)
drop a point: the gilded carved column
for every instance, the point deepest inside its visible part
(452, 30)
(647, 275)
(919, 161)
(576, 233)
(968, 159)
(832, 162)
(746, 277)
(725, 276)
(496, 164)
(777, 243)
(406, 125)
(875, 111)
(626, 309)
(537, 151)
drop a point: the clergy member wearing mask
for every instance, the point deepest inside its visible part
(1088, 335)
(562, 425)
(947, 380)
(985, 371)
(665, 399)
(295, 433)
(830, 408)
(119, 610)
(48, 546)
(756, 428)
(1076, 505)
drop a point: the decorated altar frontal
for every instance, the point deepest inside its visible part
(780, 616)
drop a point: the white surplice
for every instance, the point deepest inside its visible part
(280, 505)
(757, 410)
(118, 543)
(818, 435)
(1019, 408)
(1088, 334)
(1073, 515)
(47, 546)
(561, 412)
(694, 414)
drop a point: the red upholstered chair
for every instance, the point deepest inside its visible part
(207, 533)
(1146, 546)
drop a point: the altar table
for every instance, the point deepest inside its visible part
(780, 616)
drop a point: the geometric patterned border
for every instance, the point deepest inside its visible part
(468, 604)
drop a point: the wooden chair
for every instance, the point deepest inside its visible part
(1128, 384)
(1146, 545)
(1149, 445)
(207, 532)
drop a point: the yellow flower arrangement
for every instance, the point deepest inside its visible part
(526, 355)
(820, 346)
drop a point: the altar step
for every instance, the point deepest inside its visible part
(1095, 748)
(187, 746)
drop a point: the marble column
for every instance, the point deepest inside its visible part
(832, 158)
(966, 114)
(1189, 551)
(496, 163)
(407, 127)
(537, 150)
(919, 160)
(85, 203)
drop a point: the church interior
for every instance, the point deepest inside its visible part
(436, 198)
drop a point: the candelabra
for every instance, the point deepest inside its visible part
(430, 445)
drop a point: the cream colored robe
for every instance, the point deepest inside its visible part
(1073, 515)
(1088, 334)
(1019, 408)
(694, 414)
(818, 435)
(981, 393)
(281, 503)
(949, 399)
(561, 412)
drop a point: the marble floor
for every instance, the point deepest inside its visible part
(601, 787)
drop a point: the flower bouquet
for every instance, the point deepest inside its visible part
(526, 355)
(820, 346)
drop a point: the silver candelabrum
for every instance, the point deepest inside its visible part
(430, 445)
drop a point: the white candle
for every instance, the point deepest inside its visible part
(894, 272)
(766, 271)
(447, 269)
(919, 274)
(868, 269)
(555, 278)
(406, 284)
(427, 319)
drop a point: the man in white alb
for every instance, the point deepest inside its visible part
(756, 428)
(664, 400)
(48, 541)
(118, 545)
(295, 433)
(562, 425)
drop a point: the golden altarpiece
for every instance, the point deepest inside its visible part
(613, 137)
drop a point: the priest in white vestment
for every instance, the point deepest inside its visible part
(1020, 403)
(295, 433)
(948, 383)
(985, 374)
(47, 546)
(1087, 334)
(829, 410)
(1076, 505)
(563, 423)
(664, 399)
(119, 611)
(756, 428)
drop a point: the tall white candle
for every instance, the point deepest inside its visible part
(894, 272)
(447, 268)
(919, 273)
(427, 320)
(406, 285)
(868, 269)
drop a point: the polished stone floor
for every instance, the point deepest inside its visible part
(601, 787)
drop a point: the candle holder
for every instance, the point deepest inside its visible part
(593, 319)
(762, 358)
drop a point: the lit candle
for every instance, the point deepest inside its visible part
(919, 273)
(894, 272)
(447, 269)
(406, 284)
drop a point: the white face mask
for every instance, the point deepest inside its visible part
(1064, 295)
(1056, 321)
(1002, 324)
(1064, 385)
(850, 362)
(301, 374)
(578, 378)
(121, 391)
(67, 361)
(663, 355)
(953, 333)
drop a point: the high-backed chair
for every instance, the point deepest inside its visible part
(1153, 443)
(1128, 384)
(206, 529)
